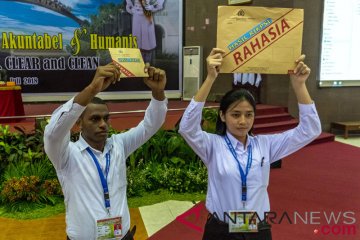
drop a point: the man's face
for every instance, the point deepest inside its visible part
(94, 124)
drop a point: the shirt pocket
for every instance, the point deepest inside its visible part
(119, 174)
(265, 172)
(254, 179)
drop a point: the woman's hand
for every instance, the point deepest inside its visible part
(214, 61)
(301, 72)
(298, 79)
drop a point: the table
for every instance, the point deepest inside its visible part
(11, 103)
(346, 126)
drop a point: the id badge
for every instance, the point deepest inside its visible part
(243, 221)
(109, 228)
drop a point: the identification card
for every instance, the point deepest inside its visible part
(243, 221)
(109, 228)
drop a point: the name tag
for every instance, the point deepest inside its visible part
(243, 221)
(109, 228)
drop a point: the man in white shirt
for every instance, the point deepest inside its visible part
(92, 171)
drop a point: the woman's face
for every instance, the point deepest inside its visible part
(239, 119)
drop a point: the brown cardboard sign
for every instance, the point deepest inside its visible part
(259, 39)
(130, 62)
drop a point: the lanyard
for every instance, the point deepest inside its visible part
(102, 177)
(242, 174)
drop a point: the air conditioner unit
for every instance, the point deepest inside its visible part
(193, 71)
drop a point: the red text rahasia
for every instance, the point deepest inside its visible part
(259, 42)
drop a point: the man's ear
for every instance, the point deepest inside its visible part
(222, 116)
(79, 123)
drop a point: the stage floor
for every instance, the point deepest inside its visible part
(123, 115)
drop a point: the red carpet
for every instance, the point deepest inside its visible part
(188, 226)
(315, 182)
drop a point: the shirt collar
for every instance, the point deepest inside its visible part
(82, 144)
(236, 143)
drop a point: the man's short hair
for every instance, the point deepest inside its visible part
(94, 100)
(97, 100)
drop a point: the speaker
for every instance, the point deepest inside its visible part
(192, 71)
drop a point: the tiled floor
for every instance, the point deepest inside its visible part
(352, 140)
(159, 215)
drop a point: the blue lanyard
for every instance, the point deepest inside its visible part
(242, 174)
(102, 177)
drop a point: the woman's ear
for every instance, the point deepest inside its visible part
(222, 116)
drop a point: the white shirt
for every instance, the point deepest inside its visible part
(224, 180)
(134, 6)
(143, 28)
(77, 172)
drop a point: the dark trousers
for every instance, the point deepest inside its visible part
(216, 230)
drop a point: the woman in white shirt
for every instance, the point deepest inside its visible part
(238, 163)
(143, 27)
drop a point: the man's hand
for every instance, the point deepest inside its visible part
(156, 81)
(104, 76)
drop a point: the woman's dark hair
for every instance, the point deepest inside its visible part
(228, 99)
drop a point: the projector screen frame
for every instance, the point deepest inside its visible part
(333, 83)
